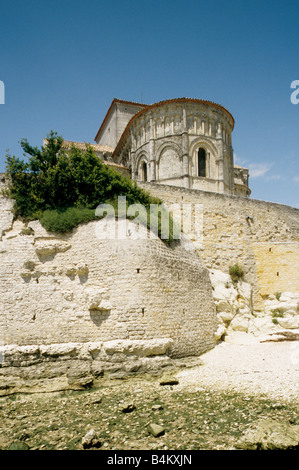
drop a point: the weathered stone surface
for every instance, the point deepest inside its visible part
(147, 291)
(51, 247)
(19, 445)
(269, 434)
(81, 288)
(169, 380)
(80, 381)
(72, 365)
(128, 407)
(155, 429)
(96, 399)
(261, 237)
(289, 322)
(235, 311)
(152, 347)
(233, 303)
(157, 407)
(281, 336)
(59, 350)
(91, 439)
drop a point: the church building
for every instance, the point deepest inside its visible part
(179, 142)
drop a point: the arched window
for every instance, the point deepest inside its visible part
(144, 171)
(201, 162)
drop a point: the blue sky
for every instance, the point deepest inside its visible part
(63, 62)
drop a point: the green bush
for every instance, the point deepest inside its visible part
(65, 220)
(236, 272)
(63, 188)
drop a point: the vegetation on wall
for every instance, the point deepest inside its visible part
(236, 272)
(62, 188)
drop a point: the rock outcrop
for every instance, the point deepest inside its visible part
(239, 322)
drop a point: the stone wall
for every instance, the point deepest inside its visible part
(277, 265)
(81, 288)
(74, 306)
(6, 206)
(63, 366)
(116, 119)
(241, 230)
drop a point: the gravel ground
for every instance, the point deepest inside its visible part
(270, 369)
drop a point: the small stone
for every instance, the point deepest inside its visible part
(91, 439)
(169, 381)
(80, 379)
(157, 407)
(155, 429)
(96, 400)
(19, 445)
(128, 408)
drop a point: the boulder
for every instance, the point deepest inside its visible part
(289, 322)
(240, 323)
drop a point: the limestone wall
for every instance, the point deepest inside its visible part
(81, 288)
(6, 205)
(277, 266)
(241, 230)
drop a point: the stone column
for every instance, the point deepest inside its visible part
(220, 159)
(134, 172)
(185, 151)
(232, 182)
(133, 159)
(152, 172)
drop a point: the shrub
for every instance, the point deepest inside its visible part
(62, 188)
(236, 272)
(64, 221)
(27, 231)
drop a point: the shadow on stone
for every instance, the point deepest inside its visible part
(98, 316)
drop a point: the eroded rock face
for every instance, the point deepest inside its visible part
(76, 366)
(237, 320)
(233, 304)
(80, 287)
(139, 298)
(269, 434)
